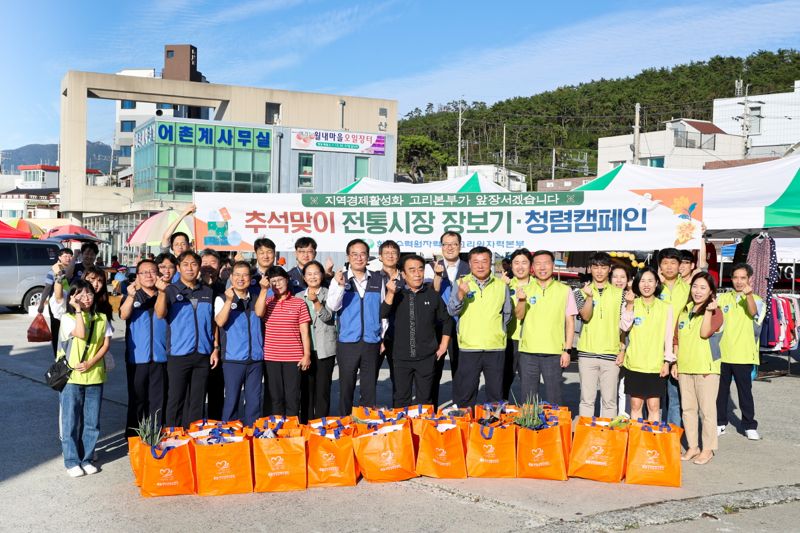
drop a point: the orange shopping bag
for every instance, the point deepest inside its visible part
(654, 454)
(279, 463)
(487, 413)
(598, 450)
(441, 451)
(168, 469)
(136, 451)
(491, 451)
(386, 454)
(540, 453)
(223, 465)
(564, 424)
(331, 461)
(330, 422)
(459, 413)
(277, 421)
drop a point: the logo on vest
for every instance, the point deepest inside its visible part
(471, 295)
(662, 297)
(179, 297)
(234, 306)
(296, 283)
(681, 324)
(348, 286)
(638, 321)
(532, 300)
(726, 308)
(137, 304)
(512, 292)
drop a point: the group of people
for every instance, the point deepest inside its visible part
(266, 340)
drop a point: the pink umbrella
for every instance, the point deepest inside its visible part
(68, 229)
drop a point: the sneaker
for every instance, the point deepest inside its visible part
(90, 469)
(75, 471)
(721, 430)
(752, 434)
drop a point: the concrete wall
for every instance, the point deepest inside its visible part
(232, 104)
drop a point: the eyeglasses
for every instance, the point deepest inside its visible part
(356, 254)
(451, 244)
(390, 253)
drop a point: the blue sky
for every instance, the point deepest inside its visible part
(416, 51)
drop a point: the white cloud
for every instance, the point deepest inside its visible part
(610, 46)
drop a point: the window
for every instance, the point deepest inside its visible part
(549, 185)
(37, 255)
(362, 167)
(127, 125)
(273, 115)
(8, 254)
(305, 177)
(163, 106)
(657, 162)
(128, 104)
(125, 150)
(567, 184)
(170, 54)
(383, 112)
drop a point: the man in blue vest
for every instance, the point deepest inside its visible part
(192, 347)
(356, 296)
(145, 347)
(443, 276)
(241, 344)
(305, 251)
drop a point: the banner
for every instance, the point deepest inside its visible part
(339, 141)
(503, 222)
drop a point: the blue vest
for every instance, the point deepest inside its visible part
(145, 333)
(360, 318)
(297, 283)
(190, 319)
(241, 339)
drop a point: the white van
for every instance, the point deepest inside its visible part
(24, 263)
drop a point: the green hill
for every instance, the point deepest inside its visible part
(570, 119)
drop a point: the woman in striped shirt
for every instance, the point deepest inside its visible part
(287, 342)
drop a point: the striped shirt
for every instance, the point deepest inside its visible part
(282, 341)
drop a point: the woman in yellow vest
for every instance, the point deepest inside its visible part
(84, 339)
(696, 370)
(649, 353)
(521, 268)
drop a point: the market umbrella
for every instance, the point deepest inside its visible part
(68, 229)
(25, 225)
(150, 231)
(79, 237)
(7, 232)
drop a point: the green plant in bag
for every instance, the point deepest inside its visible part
(149, 430)
(620, 422)
(531, 414)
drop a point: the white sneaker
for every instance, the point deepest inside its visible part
(75, 471)
(752, 434)
(721, 430)
(90, 469)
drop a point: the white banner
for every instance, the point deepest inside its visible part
(558, 221)
(339, 141)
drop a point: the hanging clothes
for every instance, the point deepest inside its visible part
(759, 258)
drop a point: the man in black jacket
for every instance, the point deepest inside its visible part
(416, 309)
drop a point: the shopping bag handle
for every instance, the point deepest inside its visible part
(154, 452)
(491, 432)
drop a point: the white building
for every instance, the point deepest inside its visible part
(513, 181)
(773, 120)
(130, 114)
(685, 143)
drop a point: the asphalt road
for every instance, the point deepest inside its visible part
(749, 486)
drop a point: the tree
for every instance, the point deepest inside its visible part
(419, 153)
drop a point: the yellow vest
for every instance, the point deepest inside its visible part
(543, 325)
(480, 324)
(96, 374)
(677, 296)
(738, 344)
(645, 352)
(600, 335)
(694, 352)
(513, 330)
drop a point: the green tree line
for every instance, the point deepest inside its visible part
(570, 119)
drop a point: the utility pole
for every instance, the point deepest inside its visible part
(746, 121)
(636, 134)
(553, 166)
(459, 138)
(504, 148)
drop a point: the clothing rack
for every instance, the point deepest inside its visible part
(767, 376)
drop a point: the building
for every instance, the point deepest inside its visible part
(771, 122)
(29, 203)
(513, 181)
(175, 157)
(562, 184)
(684, 143)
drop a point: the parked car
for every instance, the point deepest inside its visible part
(24, 263)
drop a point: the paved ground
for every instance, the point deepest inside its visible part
(751, 486)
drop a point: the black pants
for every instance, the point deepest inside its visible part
(315, 394)
(147, 390)
(386, 354)
(187, 375)
(420, 372)
(744, 387)
(284, 387)
(438, 369)
(215, 389)
(55, 325)
(354, 357)
(536, 366)
(468, 379)
(510, 367)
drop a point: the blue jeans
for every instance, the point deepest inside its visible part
(671, 412)
(236, 375)
(80, 422)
